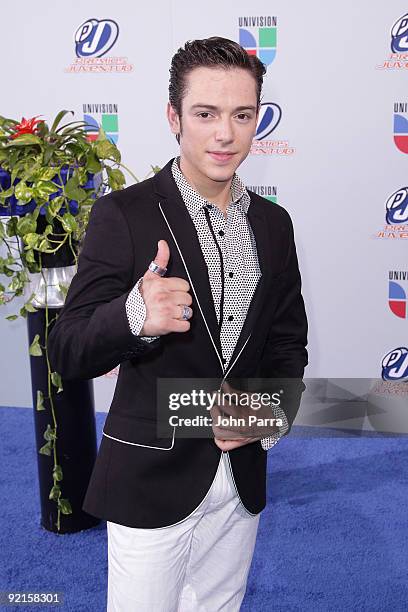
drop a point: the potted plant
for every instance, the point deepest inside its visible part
(49, 179)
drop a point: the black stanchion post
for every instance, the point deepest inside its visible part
(76, 437)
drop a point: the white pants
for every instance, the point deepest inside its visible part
(198, 565)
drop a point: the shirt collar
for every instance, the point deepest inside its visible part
(195, 202)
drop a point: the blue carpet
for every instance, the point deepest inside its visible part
(333, 538)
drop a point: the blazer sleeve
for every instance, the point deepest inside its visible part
(285, 356)
(92, 334)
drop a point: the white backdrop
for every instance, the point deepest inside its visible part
(337, 125)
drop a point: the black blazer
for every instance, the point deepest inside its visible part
(139, 479)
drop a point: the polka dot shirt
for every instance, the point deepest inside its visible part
(229, 249)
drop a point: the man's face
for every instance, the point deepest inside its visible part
(218, 122)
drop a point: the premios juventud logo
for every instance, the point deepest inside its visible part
(394, 365)
(93, 40)
(265, 142)
(398, 41)
(396, 216)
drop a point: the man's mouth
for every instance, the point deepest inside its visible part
(221, 156)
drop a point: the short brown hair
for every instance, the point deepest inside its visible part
(213, 52)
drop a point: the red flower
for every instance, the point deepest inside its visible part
(27, 126)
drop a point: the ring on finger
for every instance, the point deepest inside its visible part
(187, 313)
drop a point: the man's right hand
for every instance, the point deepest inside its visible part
(164, 298)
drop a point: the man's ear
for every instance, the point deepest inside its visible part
(173, 119)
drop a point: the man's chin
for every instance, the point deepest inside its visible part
(220, 175)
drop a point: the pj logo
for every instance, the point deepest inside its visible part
(95, 37)
(395, 365)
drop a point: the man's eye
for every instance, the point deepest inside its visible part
(204, 113)
(243, 116)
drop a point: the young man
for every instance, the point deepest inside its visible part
(185, 275)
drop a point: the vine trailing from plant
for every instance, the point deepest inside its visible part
(57, 173)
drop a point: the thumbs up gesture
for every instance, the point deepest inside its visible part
(165, 298)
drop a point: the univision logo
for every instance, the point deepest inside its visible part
(397, 294)
(95, 37)
(103, 116)
(401, 126)
(257, 35)
(269, 192)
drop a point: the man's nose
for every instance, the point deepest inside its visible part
(225, 132)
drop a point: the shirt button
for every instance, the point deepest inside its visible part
(230, 274)
(230, 318)
(221, 232)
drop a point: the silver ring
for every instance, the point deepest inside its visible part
(157, 269)
(187, 312)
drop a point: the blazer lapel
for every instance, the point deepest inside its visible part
(182, 228)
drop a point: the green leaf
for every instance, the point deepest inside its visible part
(29, 255)
(29, 307)
(35, 348)
(17, 281)
(55, 493)
(56, 381)
(31, 240)
(12, 317)
(58, 118)
(69, 222)
(57, 473)
(101, 135)
(116, 178)
(7, 193)
(26, 225)
(43, 189)
(46, 449)
(105, 149)
(46, 174)
(64, 506)
(72, 189)
(93, 165)
(23, 193)
(40, 400)
(44, 245)
(24, 140)
(50, 433)
(53, 208)
(63, 288)
(49, 151)
(12, 227)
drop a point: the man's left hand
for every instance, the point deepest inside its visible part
(228, 438)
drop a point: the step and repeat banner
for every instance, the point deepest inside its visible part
(331, 145)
